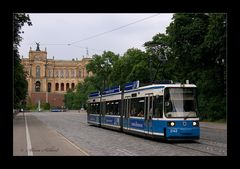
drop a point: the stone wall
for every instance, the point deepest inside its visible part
(55, 99)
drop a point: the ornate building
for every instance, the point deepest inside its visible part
(49, 79)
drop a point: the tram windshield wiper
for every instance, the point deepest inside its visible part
(185, 117)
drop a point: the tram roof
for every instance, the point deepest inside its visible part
(158, 86)
(153, 86)
(166, 85)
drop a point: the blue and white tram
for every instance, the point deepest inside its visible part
(166, 111)
(94, 108)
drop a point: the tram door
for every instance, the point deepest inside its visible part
(127, 111)
(148, 113)
(102, 112)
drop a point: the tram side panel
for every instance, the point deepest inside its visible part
(153, 123)
(93, 111)
(111, 112)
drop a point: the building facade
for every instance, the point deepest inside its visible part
(49, 79)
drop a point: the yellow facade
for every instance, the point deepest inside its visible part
(51, 75)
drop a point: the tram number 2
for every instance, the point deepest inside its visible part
(173, 130)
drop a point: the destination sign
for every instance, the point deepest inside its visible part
(131, 85)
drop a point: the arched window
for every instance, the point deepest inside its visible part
(72, 86)
(62, 86)
(67, 86)
(37, 86)
(38, 72)
(49, 87)
(56, 86)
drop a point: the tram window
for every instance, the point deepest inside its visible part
(189, 105)
(112, 108)
(116, 108)
(125, 108)
(137, 107)
(140, 107)
(92, 108)
(134, 95)
(133, 106)
(108, 107)
(169, 107)
(97, 108)
(158, 107)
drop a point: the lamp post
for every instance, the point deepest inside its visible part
(103, 72)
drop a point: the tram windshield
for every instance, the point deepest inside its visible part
(180, 102)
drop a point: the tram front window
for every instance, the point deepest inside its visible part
(180, 102)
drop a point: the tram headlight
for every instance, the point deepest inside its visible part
(195, 123)
(171, 123)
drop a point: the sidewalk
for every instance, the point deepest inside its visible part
(39, 140)
(213, 125)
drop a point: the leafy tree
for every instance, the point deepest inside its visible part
(20, 83)
(193, 48)
(133, 65)
(160, 52)
(196, 50)
(68, 99)
(102, 66)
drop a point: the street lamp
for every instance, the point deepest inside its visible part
(103, 72)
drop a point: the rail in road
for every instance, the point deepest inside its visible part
(89, 140)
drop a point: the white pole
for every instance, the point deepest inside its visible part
(39, 108)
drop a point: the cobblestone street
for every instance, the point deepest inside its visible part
(95, 141)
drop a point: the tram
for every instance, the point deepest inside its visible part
(165, 111)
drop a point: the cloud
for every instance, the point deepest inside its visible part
(51, 30)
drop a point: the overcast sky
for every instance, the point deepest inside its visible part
(68, 36)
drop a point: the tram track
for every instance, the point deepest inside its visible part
(204, 147)
(194, 149)
(209, 146)
(209, 142)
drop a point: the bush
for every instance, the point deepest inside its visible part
(46, 106)
(31, 107)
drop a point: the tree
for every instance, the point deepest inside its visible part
(196, 46)
(159, 50)
(20, 83)
(102, 66)
(132, 66)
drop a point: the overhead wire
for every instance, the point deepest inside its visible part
(100, 34)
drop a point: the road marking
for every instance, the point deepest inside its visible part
(74, 145)
(29, 145)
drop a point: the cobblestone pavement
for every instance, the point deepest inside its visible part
(103, 142)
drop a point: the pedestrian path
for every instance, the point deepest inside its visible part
(31, 137)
